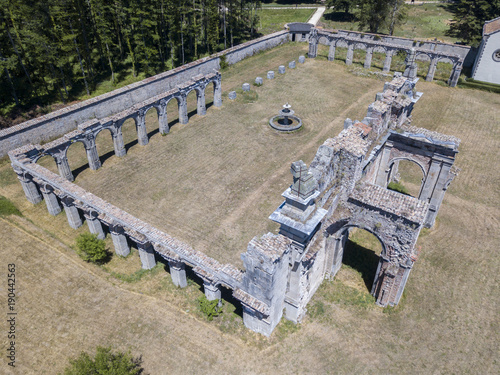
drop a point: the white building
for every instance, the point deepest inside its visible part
(487, 65)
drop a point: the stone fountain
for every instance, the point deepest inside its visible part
(286, 120)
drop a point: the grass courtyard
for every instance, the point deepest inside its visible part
(212, 183)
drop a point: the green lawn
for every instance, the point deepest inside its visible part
(272, 20)
(427, 21)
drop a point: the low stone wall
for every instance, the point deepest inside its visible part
(67, 119)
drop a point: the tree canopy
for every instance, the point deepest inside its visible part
(60, 49)
(105, 362)
(470, 16)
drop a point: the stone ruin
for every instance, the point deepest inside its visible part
(345, 186)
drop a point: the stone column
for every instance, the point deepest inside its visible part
(63, 166)
(118, 143)
(73, 215)
(313, 48)
(387, 61)
(339, 252)
(120, 242)
(30, 187)
(162, 118)
(350, 54)
(455, 74)
(183, 114)
(432, 69)
(142, 133)
(201, 108)
(178, 273)
(50, 200)
(217, 94)
(368, 58)
(212, 290)
(331, 52)
(383, 169)
(95, 226)
(147, 255)
(92, 155)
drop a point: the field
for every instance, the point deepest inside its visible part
(227, 171)
(272, 20)
(425, 21)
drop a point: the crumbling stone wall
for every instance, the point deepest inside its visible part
(344, 187)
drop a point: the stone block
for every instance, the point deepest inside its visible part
(270, 74)
(281, 69)
(302, 59)
(232, 95)
(291, 64)
(246, 87)
(259, 81)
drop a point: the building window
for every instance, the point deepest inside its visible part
(496, 55)
(303, 36)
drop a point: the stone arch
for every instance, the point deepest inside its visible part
(77, 159)
(394, 174)
(47, 160)
(152, 123)
(104, 144)
(174, 114)
(200, 102)
(128, 132)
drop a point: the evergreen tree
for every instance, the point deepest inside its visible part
(470, 16)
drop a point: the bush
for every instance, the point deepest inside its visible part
(8, 208)
(91, 249)
(223, 63)
(208, 308)
(396, 186)
(105, 362)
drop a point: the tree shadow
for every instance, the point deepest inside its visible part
(361, 259)
(340, 17)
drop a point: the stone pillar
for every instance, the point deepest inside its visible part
(147, 255)
(368, 58)
(411, 65)
(118, 143)
(331, 52)
(201, 108)
(338, 253)
(387, 61)
(142, 133)
(455, 74)
(162, 118)
(438, 193)
(120, 242)
(73, 215)
(212, 290)
(178, 273)
(432, 69)
(383, 169)
(50, 200)
(63, 167)
(183, 114)
(92, 155)
(313, 48)
(95, 226)
(217, 94)
(30, 187)
(350, 54)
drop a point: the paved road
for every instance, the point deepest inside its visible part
(317, 16)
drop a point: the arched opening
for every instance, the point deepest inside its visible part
(359, 55)
(104, 144)
(49, 163)
(209, 95)
(172, 112)
(192, 103)
(378, 58)
(152, 123)
(77, 158)
(406, 176)
(129, 132)
(399, 61)
(444, 68)
(360, 259)
(423, 64)
(340, 51)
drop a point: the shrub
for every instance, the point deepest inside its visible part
(105, 362)
(8, 208)
(208, 308)
(396, 186)
(223, 63)
(90, 248)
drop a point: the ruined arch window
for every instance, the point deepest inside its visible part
(496, 55)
